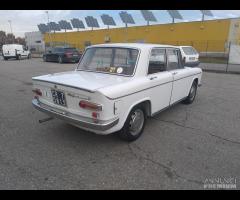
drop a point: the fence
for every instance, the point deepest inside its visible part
(215, 55)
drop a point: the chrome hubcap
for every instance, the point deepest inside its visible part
(136, 122)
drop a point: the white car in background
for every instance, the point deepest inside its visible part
(190, 56)
(115, 87)
(16, 51)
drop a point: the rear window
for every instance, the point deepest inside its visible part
(111, 60)
(189, 51)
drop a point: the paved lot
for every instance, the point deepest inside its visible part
(180, 148)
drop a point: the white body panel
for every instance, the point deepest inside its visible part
(10, 50)
(119, 94)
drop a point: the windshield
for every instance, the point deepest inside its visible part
(111, 60)
(189, 51)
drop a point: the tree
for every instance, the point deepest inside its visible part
(2, 37)
(10, 38)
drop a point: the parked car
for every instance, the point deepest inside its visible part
(115, 87)
(16, 51)
(190, 56)
(62, 54)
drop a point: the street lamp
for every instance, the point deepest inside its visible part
(10, 23)
(49, 30)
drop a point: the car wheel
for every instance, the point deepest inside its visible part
(29, 56)
(192, 94)
(5, 58)
(134, 125)
(60, 60)
(19, 57)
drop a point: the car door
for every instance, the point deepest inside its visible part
(160, 81)
(49, 54)
(24, 51)
(181, 75)
(55, 54)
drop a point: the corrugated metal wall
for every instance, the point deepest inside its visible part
(211, 35)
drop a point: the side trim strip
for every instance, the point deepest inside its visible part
(149, 88)
(170, 105)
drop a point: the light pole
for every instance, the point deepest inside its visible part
(49, 30)
(10, 23)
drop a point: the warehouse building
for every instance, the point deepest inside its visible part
(35, 42)
(212, 36)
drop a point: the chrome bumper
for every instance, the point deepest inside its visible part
(85, 122)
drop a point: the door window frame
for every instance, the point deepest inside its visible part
(179, 55)
(165, 50)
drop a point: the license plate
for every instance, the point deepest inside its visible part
(192, 58)
(58, 98)
(75, 55)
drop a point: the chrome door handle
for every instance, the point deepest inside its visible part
(151, 78)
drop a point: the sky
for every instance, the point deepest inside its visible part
(26, 20)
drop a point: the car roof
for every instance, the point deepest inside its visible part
(12, 45)
(131, 45)
(186, 46)
(64, 47)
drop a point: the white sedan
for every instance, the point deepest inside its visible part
(115, 87)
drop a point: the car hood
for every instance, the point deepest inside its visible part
(91, 81)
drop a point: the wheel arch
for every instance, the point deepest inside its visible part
(146, 103)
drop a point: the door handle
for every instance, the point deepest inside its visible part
(154, 77)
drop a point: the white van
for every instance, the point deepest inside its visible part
(17, 51)
(190, 56)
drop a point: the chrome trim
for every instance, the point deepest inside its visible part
(165, 108)
(151, 87)
(65, 85)
(85, 122)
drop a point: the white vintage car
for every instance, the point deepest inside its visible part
(115, 87)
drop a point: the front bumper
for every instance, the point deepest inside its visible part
(84, 122)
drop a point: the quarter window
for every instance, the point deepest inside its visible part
(157, 61)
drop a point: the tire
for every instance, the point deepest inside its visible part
(19, 57)
(29, 56)
(45, 58)
(133, 130)
(192, 93)
(60, 60)
(5, 58)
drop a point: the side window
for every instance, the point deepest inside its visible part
(157, 61)
(54, 50)
(173, 59)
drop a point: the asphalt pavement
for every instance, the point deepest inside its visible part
(181, 148)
